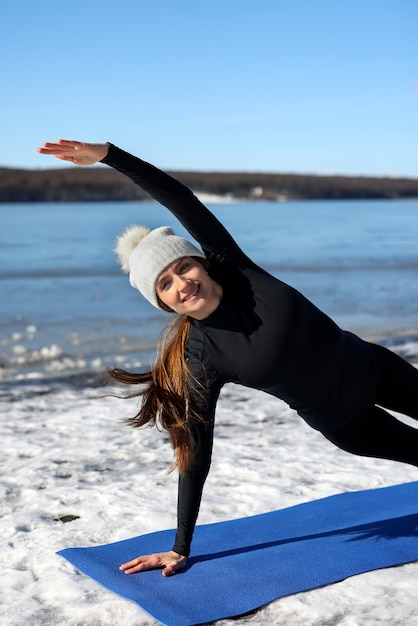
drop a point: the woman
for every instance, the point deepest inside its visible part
(236, 323)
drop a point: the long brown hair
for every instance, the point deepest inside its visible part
(166, 391)
(166, 388)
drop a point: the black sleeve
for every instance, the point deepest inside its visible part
(190, 488)
(203, 226)
(191, 483)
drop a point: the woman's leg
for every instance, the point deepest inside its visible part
(377, 433)
(398, 383)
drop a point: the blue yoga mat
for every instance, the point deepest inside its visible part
(240, 565)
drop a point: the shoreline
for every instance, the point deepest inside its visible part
(403, 342)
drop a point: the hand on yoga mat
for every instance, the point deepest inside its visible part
(169, 561)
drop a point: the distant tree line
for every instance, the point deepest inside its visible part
(105, 184)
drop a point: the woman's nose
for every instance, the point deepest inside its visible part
(182, 281)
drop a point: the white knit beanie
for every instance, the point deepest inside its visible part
(145, 253)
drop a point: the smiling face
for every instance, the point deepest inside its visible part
(186, 288)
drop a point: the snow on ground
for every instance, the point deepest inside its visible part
(66, 453)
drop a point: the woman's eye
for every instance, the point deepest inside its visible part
(164, 285)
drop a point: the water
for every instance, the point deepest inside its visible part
(65, 307)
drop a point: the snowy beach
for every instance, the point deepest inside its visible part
(65, 456)
(72, 474)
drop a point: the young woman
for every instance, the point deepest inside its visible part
(237, 323)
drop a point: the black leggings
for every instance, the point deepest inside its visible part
(377, 433)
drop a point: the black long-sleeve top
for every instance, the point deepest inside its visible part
(264, 335)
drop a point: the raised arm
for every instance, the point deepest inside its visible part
(203, 226)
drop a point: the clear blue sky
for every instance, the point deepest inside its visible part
(322, 86)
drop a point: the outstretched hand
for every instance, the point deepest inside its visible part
(169, 561)
(77, 152)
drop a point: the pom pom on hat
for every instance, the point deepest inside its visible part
(127, 242)
(145, 253)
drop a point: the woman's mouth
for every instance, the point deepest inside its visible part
(192, 294)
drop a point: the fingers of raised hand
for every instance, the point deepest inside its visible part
(61, 146)
(63, 149)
